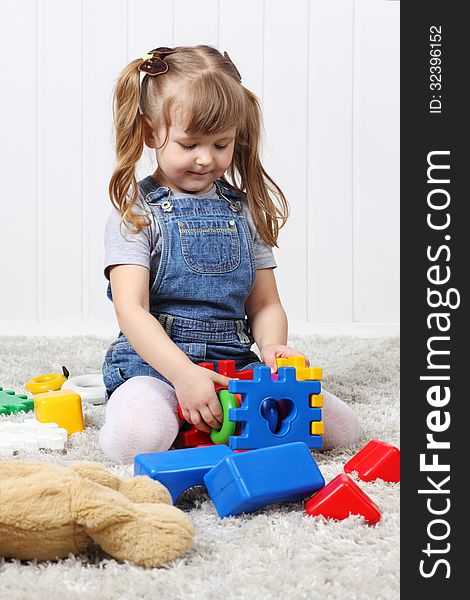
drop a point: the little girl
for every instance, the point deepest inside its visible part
(188, 251)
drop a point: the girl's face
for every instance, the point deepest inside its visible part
(192, 162)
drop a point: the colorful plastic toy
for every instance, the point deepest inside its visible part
(274, 411)
(46, 383)
(179, 470)
(302, 371)
(245, 482)
(63, 407)
(227, 368)
(10, 402)
(228, 401)
(190, 436)
(271, 412)
(340, 498)
(296, 396)
(30, 435)
(377, 460)
(280, 416)
(89, 387)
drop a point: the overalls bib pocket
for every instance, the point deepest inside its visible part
(210, 245)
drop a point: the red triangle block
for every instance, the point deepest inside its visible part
(341, 498)
(377, 460)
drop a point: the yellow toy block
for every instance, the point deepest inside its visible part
(311, 373)
(302, 372)
(63, 407)
(316, 400)
(46, 383)
(293, 361)
(317, 428)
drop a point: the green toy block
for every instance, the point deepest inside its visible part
(13, 403)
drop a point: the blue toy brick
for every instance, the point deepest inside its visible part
(315, 414)
(179, 470)
(248, 481)
(255, 429)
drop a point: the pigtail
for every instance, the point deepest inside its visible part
(267, 216)
(123, 189)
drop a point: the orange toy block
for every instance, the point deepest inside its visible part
(340, 498)
(63, 407)
(377, 460)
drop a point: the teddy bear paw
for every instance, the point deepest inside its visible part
(144, 490)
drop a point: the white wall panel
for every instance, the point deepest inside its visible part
(242, 38)
(150, 26)
(196, 22)
(376, 161)
(327, 76)
(285, 110)
(329, 170)
(18, 200)
(60, 166)
(104, 25)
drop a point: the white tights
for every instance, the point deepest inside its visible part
(141, 417)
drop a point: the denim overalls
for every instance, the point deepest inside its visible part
(205, 274)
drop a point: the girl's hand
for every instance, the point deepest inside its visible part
(270, 352)
(197, 398)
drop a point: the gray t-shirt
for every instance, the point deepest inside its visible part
(125, 248)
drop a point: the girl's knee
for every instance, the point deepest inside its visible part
(140, 418)
(342, 427)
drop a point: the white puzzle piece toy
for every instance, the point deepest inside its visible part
(31, 435)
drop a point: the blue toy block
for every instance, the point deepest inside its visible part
(248, 481)
(179, 470)
(256, 431)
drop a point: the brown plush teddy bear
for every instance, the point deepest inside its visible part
(48, 511)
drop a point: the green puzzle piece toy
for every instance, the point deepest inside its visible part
(13, 403)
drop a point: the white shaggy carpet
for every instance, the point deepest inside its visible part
(278, 552)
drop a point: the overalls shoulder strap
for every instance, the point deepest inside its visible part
(233, 196)
(152, 190)
(149, 185)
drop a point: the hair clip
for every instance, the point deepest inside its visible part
(153, 62)
(228, 58)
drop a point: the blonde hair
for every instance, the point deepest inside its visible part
(207, 85)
